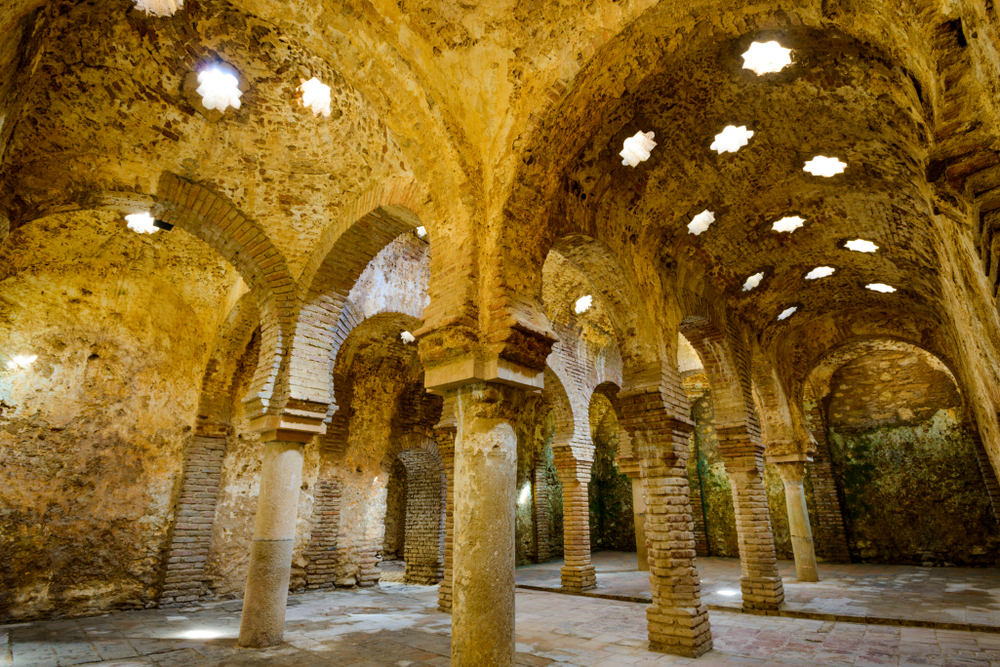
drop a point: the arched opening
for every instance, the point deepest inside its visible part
(612, 516)
(394, 543)
(907, 463)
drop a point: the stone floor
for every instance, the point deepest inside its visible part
(947, 598)
(399, 625)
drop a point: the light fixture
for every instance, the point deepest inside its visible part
(637, 148)
(766, 57)
(731, 139)
(753, 281)
(142, 223)
(859, 245)
(316, 96)
(820, 272)
(787, 312)
(421, 232)
(825, 166)
(701, 222)
(788, 224)
(407, 337)
(219, 90)
(880, 287)
(583, 304)
(159, 7)
(21, 362)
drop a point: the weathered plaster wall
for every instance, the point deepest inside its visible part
(395, 514)
(612, 522)
(92, 434)
(907, 470)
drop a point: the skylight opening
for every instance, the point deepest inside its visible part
(820, 272)
(219, 90)
(525, 495)
(788, 224)
(406, 337)
(787, 312)
(159, 7)
(701, 222)
(637, 148)
(753, 281)
(141, 223)
(21, 362)
(825, 166)
(880, 287)
(421, 232)
(860, 245)
(766, 57)
(316, 96)
(731, 139)
(583, 304)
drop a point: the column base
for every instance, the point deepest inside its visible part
(262, 623)
(579, 577)
(680, 631)
(762, 594)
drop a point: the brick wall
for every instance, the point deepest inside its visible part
(322, 552)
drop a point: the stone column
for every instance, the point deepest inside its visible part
(445, 437)
(485, 498)
(792, 473)
(677, 619)
(639, 513)
(263, 620)
(541, 500)
(578, 572)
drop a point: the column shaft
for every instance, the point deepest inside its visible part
(639, 514)
(760, 582)
(485, 496)
(792, 473)
(446, 446)
(541, 500)
(263, 621)
(578, 572)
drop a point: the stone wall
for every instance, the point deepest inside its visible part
(93, 433)
(612, 521)
(907, 469)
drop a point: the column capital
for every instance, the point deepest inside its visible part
(287, 428)
(791, 468)
(454, 356)
(490, 400)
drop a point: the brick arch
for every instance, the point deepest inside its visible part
(211, 217)
(335, 266)
(426, 499)
(777, 422)
(352, 329)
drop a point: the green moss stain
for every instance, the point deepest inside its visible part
(914, 494)
(612, 521)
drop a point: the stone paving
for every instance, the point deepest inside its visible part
(948, 598)
(399, 625)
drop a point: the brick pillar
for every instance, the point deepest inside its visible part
(445, 438)
(677, 619)
(322, 553)
(423, 517)
(578, 573)
(986, 468)
(831, 536)
(189, 544)
(744, 460)
(541, 500)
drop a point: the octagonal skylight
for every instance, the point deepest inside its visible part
(316, 96)
(753, 281)
(141, 223)
(825, 166)
(421, 232)
(701, 222)
(21, 362)
(583, 304)
(731, 139)
(880, 287)
(820, 272)
(159, 7)
(406, 337)
(218, 89)
(766, 57)
(860, 245)
(637, 148)
(787, 312)
(788, 224)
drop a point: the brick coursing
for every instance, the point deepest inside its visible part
(323, 553)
